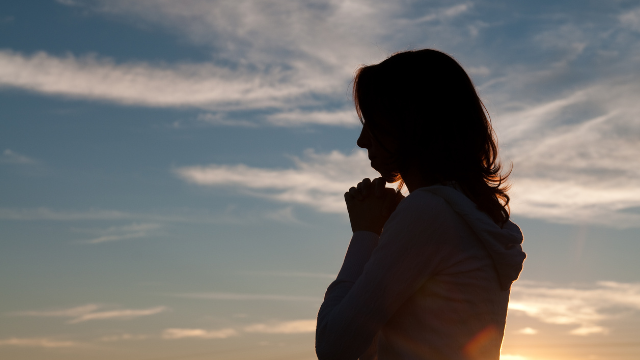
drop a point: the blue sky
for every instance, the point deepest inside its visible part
(172, 172)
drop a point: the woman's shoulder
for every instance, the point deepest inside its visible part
(423, 200)
(424, 205)
(424, 220)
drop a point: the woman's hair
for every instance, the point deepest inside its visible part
(426, 102)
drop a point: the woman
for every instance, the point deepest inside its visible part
(431, 279)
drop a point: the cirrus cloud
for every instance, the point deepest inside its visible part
(286, 327)
(318, 180)
(585, 307)
(273, 327)
(92, 312)
(177, 333)
(38, 342)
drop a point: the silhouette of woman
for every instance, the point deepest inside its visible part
(427, 276)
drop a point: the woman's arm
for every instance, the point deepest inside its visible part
(369, 290)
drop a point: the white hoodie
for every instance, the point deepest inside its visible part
(434, 286)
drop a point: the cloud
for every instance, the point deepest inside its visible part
(203, 85)
(347, 118)
(585, 307)
(318, 180)
(182, 85)
(527, 331)
(291, 58)
(150, 223)
(286, 327)
(247, 297)
(198, 333)
(11, 157)
(631, 19)
(43, 213)
(38, 342)
(72, 312)
(576, 157)
(123, 314)
(69, 2)
(90, 312)
(293, 274)
(442, 14)
(222, 120)
(285, 118)
(132, 231)
(282, 327)
(284, 215)
(124, 337)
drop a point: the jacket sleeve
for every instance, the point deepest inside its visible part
(375, 280)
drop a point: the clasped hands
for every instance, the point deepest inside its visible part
(370, 204)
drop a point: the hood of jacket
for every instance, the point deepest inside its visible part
(504, 244)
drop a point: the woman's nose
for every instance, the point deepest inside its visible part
(363, 139)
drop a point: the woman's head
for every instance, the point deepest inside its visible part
(421, 113)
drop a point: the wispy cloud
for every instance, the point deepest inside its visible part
(203, 85)
(38, 342)
(122, 314)
(284, 215)
(74, 312)
(318, 180)
(442, 14)
(347, 118)
(124, 337)
(149, 223)
(286, 118)
(92, 77)
(585, 307)
(43, 213)
(11, 157)
(274, 327)
(173, 334)
(286, 327)
(91, 312)
(527, 331)
(69, 2)
(118, 233)
(222, 119)
(322, 44)
(631, 19)
(247, 297)
(576, 157)
(293, 274)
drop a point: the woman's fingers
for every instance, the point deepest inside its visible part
(355, 193)
(378, 185)
(348, 197)
(364, 187)
(367, 187)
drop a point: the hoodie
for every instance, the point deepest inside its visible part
(435, 284)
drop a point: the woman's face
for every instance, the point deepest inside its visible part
(381, 149)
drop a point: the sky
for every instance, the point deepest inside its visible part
(172, 172)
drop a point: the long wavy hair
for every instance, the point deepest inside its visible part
(426, 102)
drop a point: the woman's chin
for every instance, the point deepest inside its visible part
(385, 172)
(387, 176)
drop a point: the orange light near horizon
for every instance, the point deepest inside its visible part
(478, 346)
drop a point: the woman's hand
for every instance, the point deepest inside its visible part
(370, 204)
